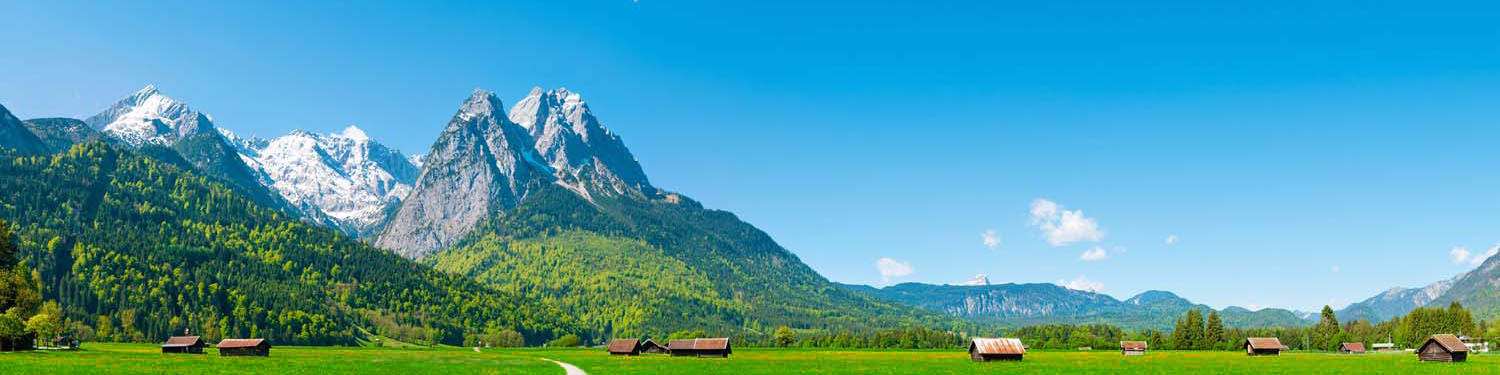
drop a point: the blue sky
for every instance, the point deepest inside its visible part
(1341, 148)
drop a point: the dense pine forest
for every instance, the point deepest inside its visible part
(136, 250)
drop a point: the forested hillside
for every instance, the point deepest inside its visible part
(137, 250)
(636, 265)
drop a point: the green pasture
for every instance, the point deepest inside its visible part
(145, 359)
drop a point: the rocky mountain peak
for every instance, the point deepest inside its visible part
(149, 117)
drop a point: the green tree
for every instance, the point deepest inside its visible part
(1213, 333)
(1326, 333)
(785, 337)
(566, 341)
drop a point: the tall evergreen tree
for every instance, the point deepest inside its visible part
(1327, 331)
(1213, 334)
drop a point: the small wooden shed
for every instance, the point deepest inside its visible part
(624, 347)
(1352, 348)
(680, 348)
(1262, 346)
(244, 347)
(1443, 348)
(996, 349)
(184, 344)
(651, 347)
(1385, 347)
(1133, 347)
(712, 348)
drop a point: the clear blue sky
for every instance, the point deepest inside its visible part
(1340, 149)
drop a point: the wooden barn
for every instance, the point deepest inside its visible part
(624, 347)
(1443, 348)
(184, 344)
(1263, 346)
(1133, 347)
(1352, 348)
(996, 349)
(244, 347)
(651, 347)
(680, 348)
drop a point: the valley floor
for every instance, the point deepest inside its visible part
(145, 359)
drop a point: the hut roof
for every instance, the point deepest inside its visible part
(1449, 343)
(997, 346)
(240, 343)
(623, 345)
(719, 343)
(649, 342)
(1353, 346)
(1264, 343)
(1133, 345)
(177, 341)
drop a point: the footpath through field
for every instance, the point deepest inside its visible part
(569, 369)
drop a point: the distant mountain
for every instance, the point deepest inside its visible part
(61, 133)
(15, 135)
(481, 163)
(346, 175)
(159, 125)
(548, 203)
(1026, 304)
(1477, 289)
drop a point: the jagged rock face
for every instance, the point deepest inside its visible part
(148, 117)
(14, 134)
(584, 156)
(482, 162)
(346, 176)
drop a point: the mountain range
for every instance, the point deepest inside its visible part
(540, 205)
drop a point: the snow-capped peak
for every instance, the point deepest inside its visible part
(355, 133)
(584, 155)
(147, 116)
(480, 103)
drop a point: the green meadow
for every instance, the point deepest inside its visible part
(145, 359)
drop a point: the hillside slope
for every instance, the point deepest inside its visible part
(140, 249)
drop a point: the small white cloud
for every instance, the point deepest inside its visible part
(1459, 254)
(1095, 254)
(891, 268)
(1082, 283)
(1171, 239)
(1061, 226)
(1481, 257)
(1335, 268)
(991, 239)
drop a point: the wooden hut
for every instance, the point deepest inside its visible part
(1385, 347)
(1443, 348)
(651, 347)
(1132, 347)
(1262, 346)
(680, 348)
(184, 344)
(624, 347)
(712, 348)
(1352, 348)
(996, 349)
(244, 347)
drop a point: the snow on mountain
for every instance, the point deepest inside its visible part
(978, 280)
(148, 117)
(346, 175)
(584, 155)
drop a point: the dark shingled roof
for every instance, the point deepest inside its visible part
(1450, 343)
(240, 343)
(177, 341)
(622, 345)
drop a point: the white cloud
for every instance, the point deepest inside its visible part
(1459, 254)
(1171, 239)
(1479, 258)
(1335, 268)
(1082, 283)
(991, 239)
(891, 268)
(1061, 226)
(1095, 254)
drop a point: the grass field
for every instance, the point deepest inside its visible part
(145, 359)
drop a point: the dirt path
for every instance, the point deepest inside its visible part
(569, 369)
